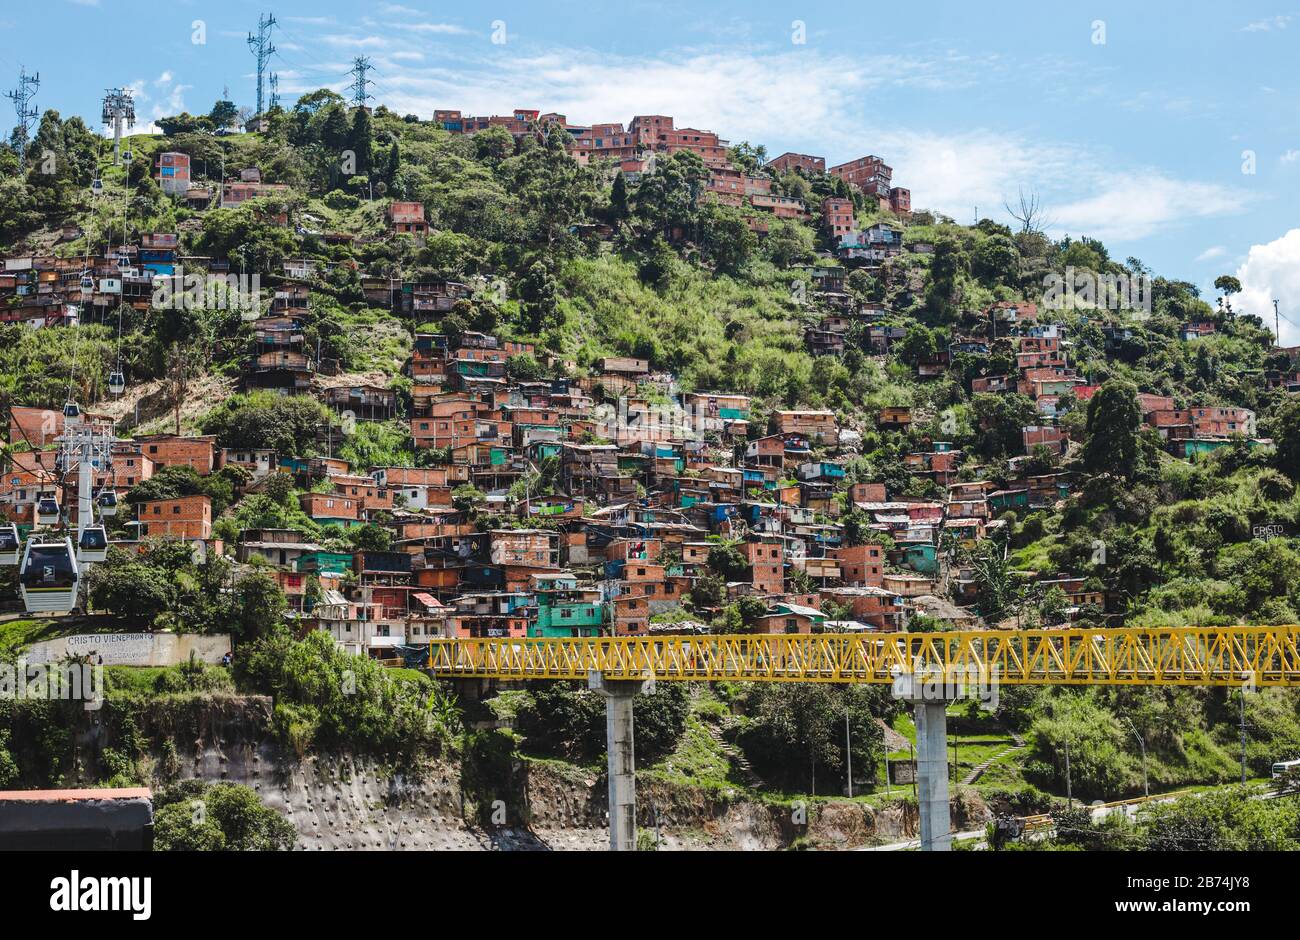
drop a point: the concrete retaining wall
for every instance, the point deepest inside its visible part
(132, 649)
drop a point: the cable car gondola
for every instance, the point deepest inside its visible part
(97, 187)
(48, 577)
(47, 511)
(71, 409)
(10, 544)
(93, 544)
(87, 282)
(116, 383)
(107, 504)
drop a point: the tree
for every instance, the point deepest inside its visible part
(669, 199)
(1229, 285)
(1028, 211)
(259, 604)
(709, 591)
(1000, 419)
(1114, 426)
(726, 239)
(788, 243)
(996, 592)
(996, 261)
(1286, 436)
(728, 562)
(286, 424)
(193, 816)
(370, 538)
(921, 344)
(130, 588)
(618, 199)
(223, 114)
(334, 127)
(538, 293)
(361, 140)
(795, 735)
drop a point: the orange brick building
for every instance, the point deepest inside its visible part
(189, 517)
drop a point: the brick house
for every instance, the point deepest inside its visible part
(168, 450)
(766, 559)
(189, 517)
(861, 565)
(407, 218)
(838, 215)
(1052, 438)
(806, 163)
(819, 426)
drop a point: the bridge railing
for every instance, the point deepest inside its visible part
(1222, 656)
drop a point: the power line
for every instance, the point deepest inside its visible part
(263, 49)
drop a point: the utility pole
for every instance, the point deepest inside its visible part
(1277, 329)
(360, 66)
(1069, 789)
(25, 111)
(262, 51)
(848, 749)
(119, 107)
(1243, 735)
(1146, 790)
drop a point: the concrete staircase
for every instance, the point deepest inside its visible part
(979, 770)
(739, 763)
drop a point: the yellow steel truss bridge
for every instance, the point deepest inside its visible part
(1218, 656)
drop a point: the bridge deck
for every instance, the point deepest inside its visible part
(1222, 656)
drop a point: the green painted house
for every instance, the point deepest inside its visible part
(323, 562)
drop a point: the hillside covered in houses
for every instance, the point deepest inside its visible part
(374, 379)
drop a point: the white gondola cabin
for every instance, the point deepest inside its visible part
(107, 504)
(47, 511)
(48, 576)
(116, 383)
(10, 544)
(71, 409)
(92, 546)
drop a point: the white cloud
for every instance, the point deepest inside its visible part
(1209, 254)
(1268, 24)
(356, 42)
(1272, 271)
(441, 29)
(1291, 156)
(1135, 205)
(809, 101)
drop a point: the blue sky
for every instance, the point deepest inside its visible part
(1134, 125)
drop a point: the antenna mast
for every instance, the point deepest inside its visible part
(25, 110)
(262, 50)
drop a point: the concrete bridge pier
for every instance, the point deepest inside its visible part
(931, 717)
(618, 695)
